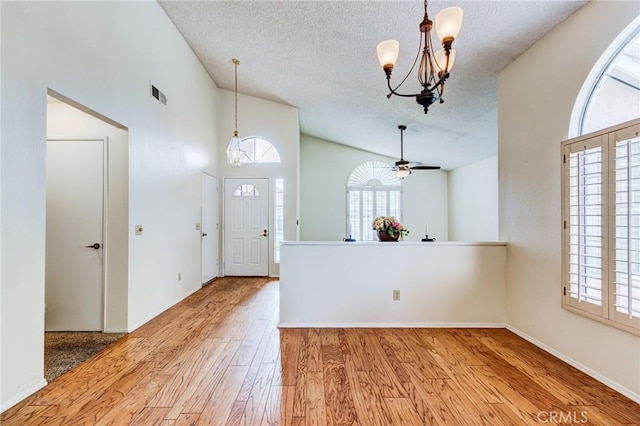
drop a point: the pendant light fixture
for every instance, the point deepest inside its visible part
(402, 167)
(234, 150)
(434, 66)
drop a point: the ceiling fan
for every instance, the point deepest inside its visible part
(403, 167)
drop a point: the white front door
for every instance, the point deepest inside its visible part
(209, 228)
(246, 219)
(74, 236)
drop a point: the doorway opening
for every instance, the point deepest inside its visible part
(86, 272)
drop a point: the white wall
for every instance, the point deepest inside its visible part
(277, 124)
(536, 94)
(324, 169)
(441, 284)
(1, 222)
(65, 121)
(102, 55)
(425, 206)
(473, 201)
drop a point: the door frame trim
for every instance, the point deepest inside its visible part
(105, 212)
(224, 221)
(217, 234)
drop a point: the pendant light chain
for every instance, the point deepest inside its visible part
(236, 63)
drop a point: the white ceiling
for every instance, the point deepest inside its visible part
(319, 56)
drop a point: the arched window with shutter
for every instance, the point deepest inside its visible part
(373, 189)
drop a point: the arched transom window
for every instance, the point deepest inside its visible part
(373, 189)
(257, 150)
(615, 96)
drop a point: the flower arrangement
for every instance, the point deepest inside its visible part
(390, 225)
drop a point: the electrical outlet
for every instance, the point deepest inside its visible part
(396, 294)
(179, 276)
(197, 226)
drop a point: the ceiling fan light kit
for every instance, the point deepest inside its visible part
(434, 67)
(403, 172)
(234, 150)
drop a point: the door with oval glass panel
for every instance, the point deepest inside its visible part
(246, 227)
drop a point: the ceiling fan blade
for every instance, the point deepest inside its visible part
(426, 168)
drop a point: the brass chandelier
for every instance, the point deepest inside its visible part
(434, 66)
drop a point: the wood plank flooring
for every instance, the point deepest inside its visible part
(217, 358)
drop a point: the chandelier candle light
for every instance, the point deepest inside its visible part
(434, 66)
(234, 151)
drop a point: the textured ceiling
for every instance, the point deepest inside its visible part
(319, 56)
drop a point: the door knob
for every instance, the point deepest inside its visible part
(94, 246)
(265, 233)
(204, 234)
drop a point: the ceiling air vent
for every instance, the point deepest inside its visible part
(158, 95)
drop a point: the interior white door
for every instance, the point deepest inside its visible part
(74, 253)
(209, 228)
(246, 219)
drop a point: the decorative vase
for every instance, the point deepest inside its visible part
(383, 236)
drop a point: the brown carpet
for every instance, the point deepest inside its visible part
(65, 350)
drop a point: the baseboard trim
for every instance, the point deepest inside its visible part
(22, 395)
(210, 281)
(392, 325)
(599, 377)
(115, 330)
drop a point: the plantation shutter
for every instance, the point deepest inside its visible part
(625, 226)
(367, 203)
(355, 218)
(586, 213)
(368, 213)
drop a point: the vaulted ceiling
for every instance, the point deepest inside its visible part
(319, 56)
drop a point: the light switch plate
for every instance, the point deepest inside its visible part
(197, 226)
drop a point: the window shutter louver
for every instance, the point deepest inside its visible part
(586, 211)
(625, 233)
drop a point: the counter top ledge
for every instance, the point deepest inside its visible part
(395, 244)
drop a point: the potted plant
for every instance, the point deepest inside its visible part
(388, 228)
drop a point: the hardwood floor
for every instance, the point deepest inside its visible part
(217, 358)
